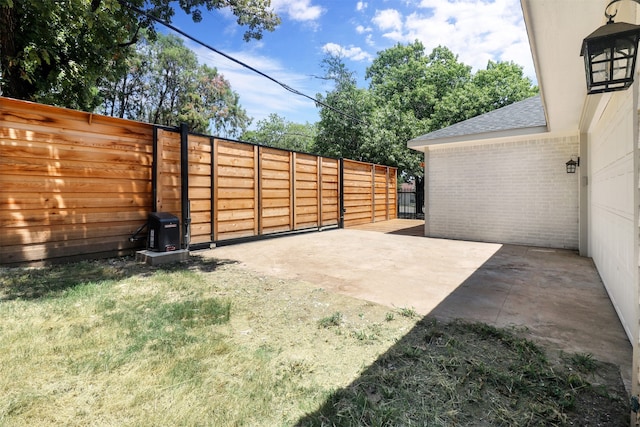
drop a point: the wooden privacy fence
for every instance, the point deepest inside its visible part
(78, 185)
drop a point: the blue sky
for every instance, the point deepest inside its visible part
(476, 30)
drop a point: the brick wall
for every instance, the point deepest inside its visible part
(508, 192)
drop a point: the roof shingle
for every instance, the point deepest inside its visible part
(525, 114)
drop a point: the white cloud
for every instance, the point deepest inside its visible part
(476, 30)
(298, 10)
(361, 5)
(361, 29)
(388, 19)
(352, 52)
(369, 40)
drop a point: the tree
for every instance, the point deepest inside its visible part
(210, 101)
(341, 135)
(165, 85)
(413, 81)
(277, 132)
(500, 84)
(54, 51)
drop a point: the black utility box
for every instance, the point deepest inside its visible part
(164, 232)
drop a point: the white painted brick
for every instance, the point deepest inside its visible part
(508, 192)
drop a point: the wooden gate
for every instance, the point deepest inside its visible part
(238, 190)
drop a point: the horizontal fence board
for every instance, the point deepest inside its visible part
(304, 193)
(201, 205)
(274, 166)
(226, 182)
(229, 235)
(199, 181)
(276, 174)
(240, 162)
(236, 225)
(306, 202)
(268, 193)
(228, 204)
(76, 170)
(275, 184)
(232, 215)
(27, 218)
(275, 203)
(44, 234)
(306, 210)
(234, 149)
(279, 222)
(236, 193)
(83, 140)
(39, 201)
(236, 172)
(275, 211)
(54, 250)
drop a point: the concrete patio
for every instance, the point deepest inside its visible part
(556, 294)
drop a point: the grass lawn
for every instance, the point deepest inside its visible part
(200, 343)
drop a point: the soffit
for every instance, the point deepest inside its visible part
(556, 29)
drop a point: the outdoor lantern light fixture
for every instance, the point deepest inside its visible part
(572, 164)
(610, 54)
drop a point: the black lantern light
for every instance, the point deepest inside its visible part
(572, 164)
(610, 55)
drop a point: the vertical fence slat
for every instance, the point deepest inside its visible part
(386, 194)
(214, 201)
(320, 186)
(257, 228)
(292, 191)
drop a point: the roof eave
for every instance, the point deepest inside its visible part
(419, 144)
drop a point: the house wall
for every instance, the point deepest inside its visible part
(612, 202)
(509, 192)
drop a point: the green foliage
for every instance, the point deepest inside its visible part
(338, 135)
(276, 131)
(407, 312)
(410, 94)
(499, 85)
(334, 320)
(163, 83)
(55, 52)
(584, 362)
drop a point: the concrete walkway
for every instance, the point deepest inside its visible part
(556, 294)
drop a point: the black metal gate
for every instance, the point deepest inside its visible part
(408, 205)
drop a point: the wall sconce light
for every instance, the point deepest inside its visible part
(572, 165)
(610, 54)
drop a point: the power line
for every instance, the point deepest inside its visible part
(237, 61)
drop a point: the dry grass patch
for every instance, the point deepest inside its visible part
(117, 343)
(205, 343)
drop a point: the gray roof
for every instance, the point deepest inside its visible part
(519, 118)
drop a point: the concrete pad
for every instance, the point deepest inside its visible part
(556, 294)
(157, 258)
